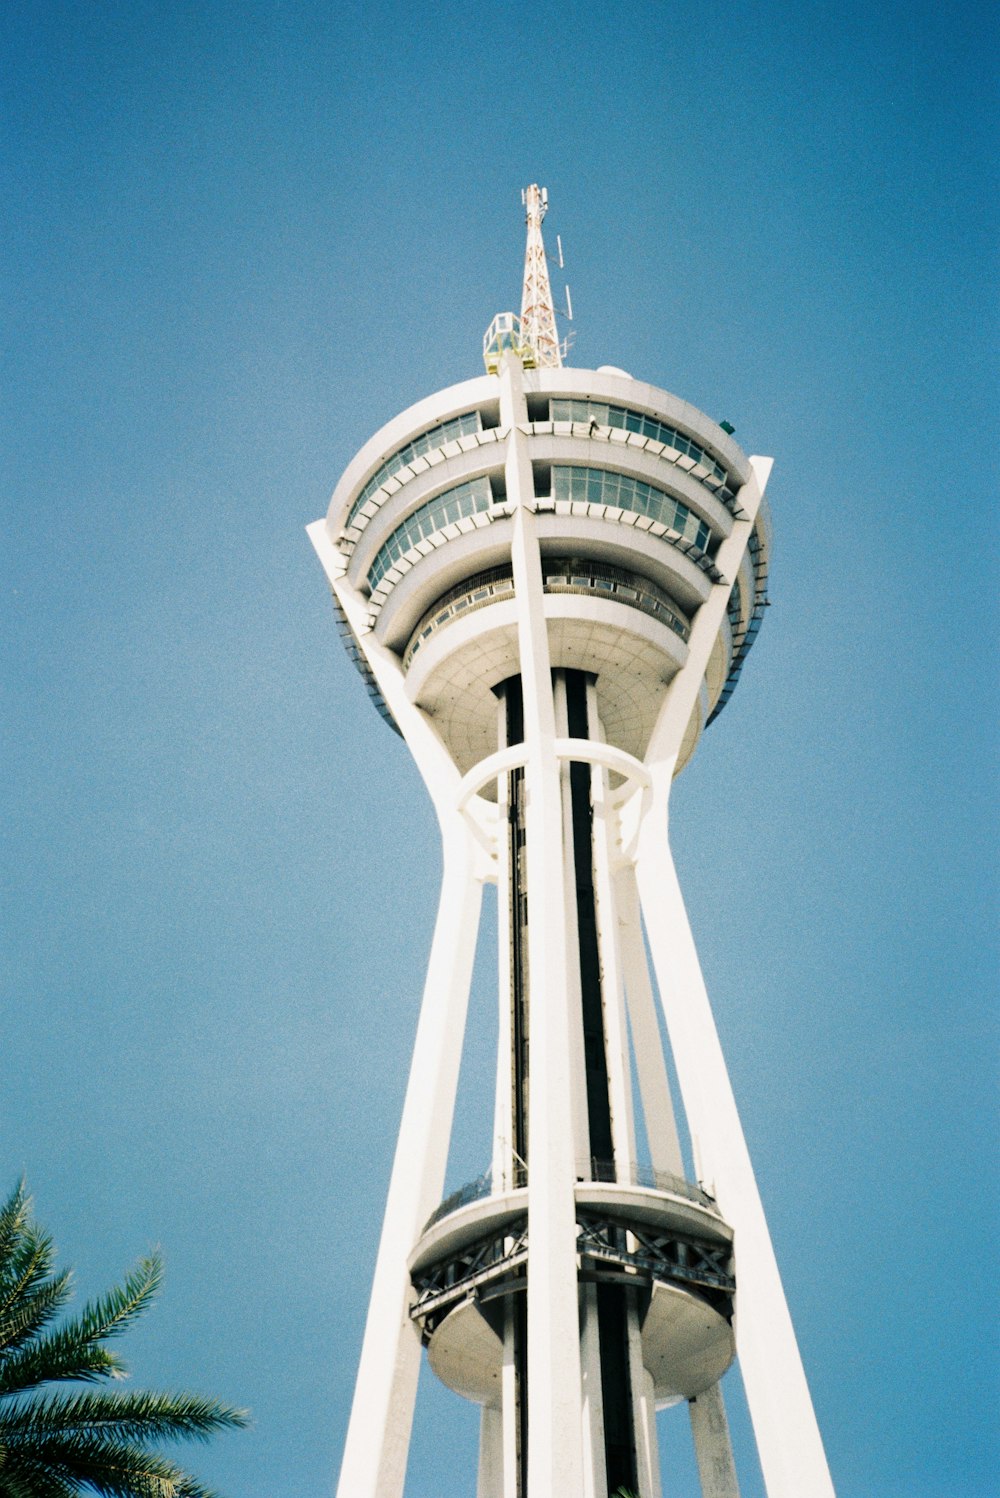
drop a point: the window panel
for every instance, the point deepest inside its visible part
(622, 492)
(447, 431)
(648, 426)
(467, 499)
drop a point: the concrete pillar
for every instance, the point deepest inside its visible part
(712, 1446)
(788, 1440)
(650, 1065)
(555, 1454)
(490, 1481)
(378, 1435)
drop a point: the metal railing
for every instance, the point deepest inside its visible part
(657, 1180)
(599, 1170)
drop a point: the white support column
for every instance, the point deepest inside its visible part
(490, 1483)
(595, 1471)
(647, 1446)
(378, 1435)
(503, 1123)
(509, 1397)
(609, 945)
(788, 1439)
(432, 759)
(555, 1454)
(683, 692)
(650, 1065)
(712, 1446)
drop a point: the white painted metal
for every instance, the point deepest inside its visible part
(571, 934)
(375, 1453)
(713, 1448)
(595, 1483)
(490, 1482)
(650, 1064)
(377, 1445)
(509, 1406)
(788, 1440)
(612, 976)
(555, 1456)
(647, 1446)
(503, 1144)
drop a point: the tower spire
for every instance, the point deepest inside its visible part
(538, 317)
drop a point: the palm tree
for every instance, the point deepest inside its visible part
(59, 1444)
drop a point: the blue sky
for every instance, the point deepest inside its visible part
(243, 237)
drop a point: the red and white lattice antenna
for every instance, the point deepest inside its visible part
(538, 317)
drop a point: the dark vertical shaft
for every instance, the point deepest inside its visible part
(612, 1317)
(592, 1007)
(612, 1314)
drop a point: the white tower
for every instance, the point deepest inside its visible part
(550, 578)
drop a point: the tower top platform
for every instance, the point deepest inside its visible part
(635, 490)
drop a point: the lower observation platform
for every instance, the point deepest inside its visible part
(664, 1242)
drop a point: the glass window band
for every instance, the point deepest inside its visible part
(472, 498)
(446, 431)
(646, 426)
(620, 491)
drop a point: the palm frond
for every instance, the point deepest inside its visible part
(33, 1312)
(14, 1215)
(112, 1469)
(110, 1315)
(125, 1416)
(56, 1357)
(27, 1264)
(74, 1350)
(59, 1445)
(28, 1480)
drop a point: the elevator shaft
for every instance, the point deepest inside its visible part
(609, 1302)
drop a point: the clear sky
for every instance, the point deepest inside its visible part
(245, 235)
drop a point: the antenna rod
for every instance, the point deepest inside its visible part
(538, 316)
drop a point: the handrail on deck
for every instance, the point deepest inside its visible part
(599, 1170)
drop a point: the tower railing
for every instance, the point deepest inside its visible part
(600, 1171)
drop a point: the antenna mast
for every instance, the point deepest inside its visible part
(538, 317)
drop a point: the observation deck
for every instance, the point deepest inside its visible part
(634, 491)
(656, 1234)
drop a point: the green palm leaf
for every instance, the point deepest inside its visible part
(129, 1416)
(14, 1216)
(33, 1311)
(59, 1445)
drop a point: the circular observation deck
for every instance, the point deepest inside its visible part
(664, 1242)
(634, 491)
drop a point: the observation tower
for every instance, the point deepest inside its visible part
(549, 579)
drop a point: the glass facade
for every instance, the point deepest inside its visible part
(447, 431)
(613, 582)
(486, 587)
(734, 609)
(646, 426)
(600, 486)
(559, 575)
(444, 509)
(743, 639)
